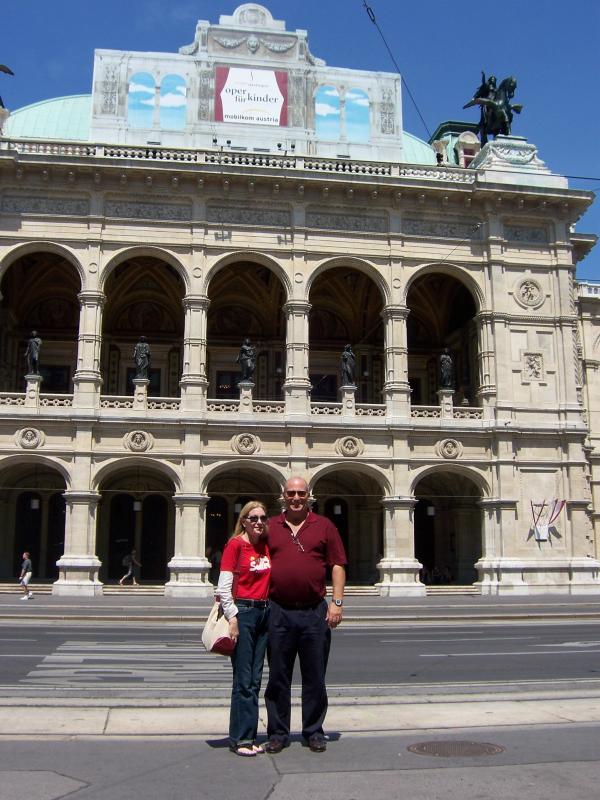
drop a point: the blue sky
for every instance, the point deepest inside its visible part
(551, 48)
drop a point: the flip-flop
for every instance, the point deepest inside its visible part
(244, 750)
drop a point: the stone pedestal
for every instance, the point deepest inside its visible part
(140, 394)
(78, 566)
(347, 395)
(246, 388)
(399, 569)
(4, 115)
(446, 404)
(32, 392)
(189, 568)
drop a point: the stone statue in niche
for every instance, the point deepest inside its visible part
(32, 354)
(446, 370)
(246, 358)
(141, 358)
(348, 367)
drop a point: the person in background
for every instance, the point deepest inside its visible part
(130, 561)
(244, 593)
(25, 577)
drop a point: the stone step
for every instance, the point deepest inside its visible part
(436, 591)
(155, 589)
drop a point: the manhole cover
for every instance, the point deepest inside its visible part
(454, 749)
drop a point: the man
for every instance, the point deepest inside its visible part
(130, 561)
(302, 545)
(25, 576)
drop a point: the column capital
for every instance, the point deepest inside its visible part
(81, 496)
(297, 305)
(399, 501)
(91, 296)
(395, 311)
(191, 499)
(200, 301)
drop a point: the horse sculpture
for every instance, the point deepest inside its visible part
(496, 107)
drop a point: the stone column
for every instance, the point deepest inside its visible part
(87, 381)
(189, 566)
(78, 566)
(399, 569)
(396, 388)
(446, 405)
(194, 380)
(32, 392)
(487, 367)
(347, 398)
(297, 382)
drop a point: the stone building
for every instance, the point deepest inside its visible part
(244, 188)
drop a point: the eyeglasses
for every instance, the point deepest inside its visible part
(257, 518)
(293, 492)
(297, 542)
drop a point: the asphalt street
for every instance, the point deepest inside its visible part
(125, 658)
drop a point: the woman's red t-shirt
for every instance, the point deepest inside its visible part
(251, 566)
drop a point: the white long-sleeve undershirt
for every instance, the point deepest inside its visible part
(224, 588)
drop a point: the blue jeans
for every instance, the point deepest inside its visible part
(247, 662)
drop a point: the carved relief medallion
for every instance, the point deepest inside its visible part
(349, 446)
(138, 441)
(29, 438)
(246, 444)
(533, 367)
(529, 293)
(449, 448)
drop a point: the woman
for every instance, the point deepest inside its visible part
(244, 591)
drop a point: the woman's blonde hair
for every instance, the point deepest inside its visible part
(239, 527)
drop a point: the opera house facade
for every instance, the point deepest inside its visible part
(243, 189)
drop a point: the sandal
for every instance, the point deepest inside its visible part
(258, 749)
(245, 750)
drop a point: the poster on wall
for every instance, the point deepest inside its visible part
(251, 96)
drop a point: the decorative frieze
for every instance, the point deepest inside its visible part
(249, 215)
(442, 228)
(347, 222)
(136, 209)
(109, 89)
(44, 204)
(448, 175)
(526, 233)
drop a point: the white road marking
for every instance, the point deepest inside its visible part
(504, 653)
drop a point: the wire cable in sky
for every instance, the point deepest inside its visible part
(371, 15)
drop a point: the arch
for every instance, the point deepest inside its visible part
(149, 251)
(29, 248)
(141, 89)
(252, 257)
(121, 464)
(377, 474)
(327, 108)
(353, 262)
(173, 102)
(452, 271)
(470, 473)
(268, 470)
(34, 460)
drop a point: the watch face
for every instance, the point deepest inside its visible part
(338, 603)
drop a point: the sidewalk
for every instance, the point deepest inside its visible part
(357, 610)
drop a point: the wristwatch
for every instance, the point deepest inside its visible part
(336, 602)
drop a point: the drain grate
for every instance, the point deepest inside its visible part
(455, 749)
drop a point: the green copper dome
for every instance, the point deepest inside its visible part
(58, 118)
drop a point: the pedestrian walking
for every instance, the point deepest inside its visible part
(130, 561)
(25, 576)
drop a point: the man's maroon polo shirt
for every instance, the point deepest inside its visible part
(298, 576)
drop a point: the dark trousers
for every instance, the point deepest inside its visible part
(247, 661)
(306, 634)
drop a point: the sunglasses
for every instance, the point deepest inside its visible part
(294, 492)
(256, 518)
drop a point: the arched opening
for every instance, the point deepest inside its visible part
(327, 113)
(143, 298)
(136, 511)
(141, 93)
(447, 528)
(173, 103)
(352, 501)
(358, 123)
(346, 307)
(228, 492)
(32, 518)
(442, 315)
(39, 293)
(246, 301)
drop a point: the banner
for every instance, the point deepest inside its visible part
(251, 96)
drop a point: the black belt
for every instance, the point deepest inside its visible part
(299, 606)
(242, 601)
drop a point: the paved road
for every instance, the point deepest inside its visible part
(131, 659)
